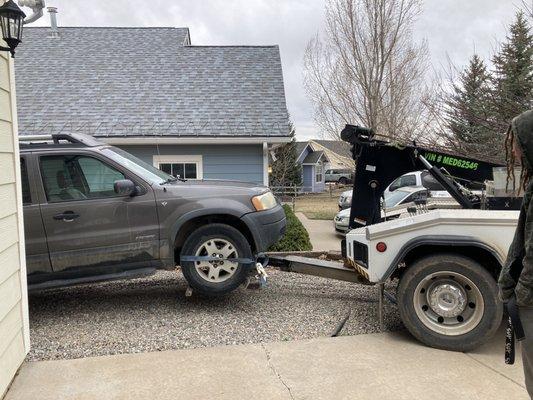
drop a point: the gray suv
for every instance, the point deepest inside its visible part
(94, 212)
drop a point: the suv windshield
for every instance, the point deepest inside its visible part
(137, 166)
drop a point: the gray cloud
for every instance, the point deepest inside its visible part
(453, 27)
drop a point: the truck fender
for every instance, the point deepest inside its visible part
(448, 241)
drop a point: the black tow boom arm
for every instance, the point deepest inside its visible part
(380, 161)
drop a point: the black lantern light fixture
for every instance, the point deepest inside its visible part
(11, 17)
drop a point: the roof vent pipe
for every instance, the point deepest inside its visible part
(53, 21)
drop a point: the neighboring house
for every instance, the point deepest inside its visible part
(14, 326)
(194, 111)
(314, 164)
(317, 156)
(338, 153)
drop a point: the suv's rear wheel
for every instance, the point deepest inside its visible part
(216, 277)
(343, 180)
(449, 302)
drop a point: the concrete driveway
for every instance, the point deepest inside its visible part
(374, 366)
(321, 232)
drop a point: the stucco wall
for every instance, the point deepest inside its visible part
(235, 162)
(14, 331)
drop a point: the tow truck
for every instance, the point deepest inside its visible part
(446, 261)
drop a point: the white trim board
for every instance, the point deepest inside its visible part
(169, 159)
(191, 140)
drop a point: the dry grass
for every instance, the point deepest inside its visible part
(319, 205)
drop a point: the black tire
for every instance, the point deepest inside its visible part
(436, 266)
(203, 235)
(343, 180)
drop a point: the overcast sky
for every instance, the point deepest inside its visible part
(451, 27)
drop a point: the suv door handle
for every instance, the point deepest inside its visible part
(66, 216)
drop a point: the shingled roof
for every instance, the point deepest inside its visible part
(336, 146)
(146, 82)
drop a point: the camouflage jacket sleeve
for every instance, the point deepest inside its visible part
(524, 286)
(513, 265)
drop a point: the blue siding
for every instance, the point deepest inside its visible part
(319, 187)
(234, 162)
(307, 171)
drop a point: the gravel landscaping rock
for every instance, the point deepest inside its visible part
(153, 314)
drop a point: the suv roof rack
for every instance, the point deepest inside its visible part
(55, 138)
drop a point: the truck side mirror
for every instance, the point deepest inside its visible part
(124, 187)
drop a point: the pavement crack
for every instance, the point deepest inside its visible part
(273, 368)
(494, 370)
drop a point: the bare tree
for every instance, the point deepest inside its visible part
(366, 69)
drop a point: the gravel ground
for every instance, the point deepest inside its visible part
(153, 314)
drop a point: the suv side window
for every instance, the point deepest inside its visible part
(77, 177)
(26, 193)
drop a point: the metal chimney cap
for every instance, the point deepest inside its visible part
(52, 9)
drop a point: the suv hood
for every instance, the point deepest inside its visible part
(219, 184)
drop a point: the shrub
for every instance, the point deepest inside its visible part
(296, 237)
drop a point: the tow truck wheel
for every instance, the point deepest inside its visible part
(217, 277)
(449, 302)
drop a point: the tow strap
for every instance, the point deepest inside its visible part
(514, 330)
(260, 261)
(259, 258)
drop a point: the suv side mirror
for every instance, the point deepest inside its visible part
(124, 187)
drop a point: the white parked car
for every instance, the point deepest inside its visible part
(411, 179)
(345, 200)
(392, 200)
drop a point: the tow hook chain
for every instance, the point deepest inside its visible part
(260, 261)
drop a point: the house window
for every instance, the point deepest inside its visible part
(188, 167)
(318, 172)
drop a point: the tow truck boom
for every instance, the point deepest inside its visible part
(379, 162)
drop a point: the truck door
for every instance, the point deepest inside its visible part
(37, 258)
(87, 224)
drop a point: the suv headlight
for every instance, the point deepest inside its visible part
(264, 201)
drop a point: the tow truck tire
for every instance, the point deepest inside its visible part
(449, 302)
(210, 278)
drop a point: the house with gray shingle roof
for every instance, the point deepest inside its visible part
(313, 163)
(194, 111)
(320, 158)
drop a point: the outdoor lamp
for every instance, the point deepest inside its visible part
(11, 17)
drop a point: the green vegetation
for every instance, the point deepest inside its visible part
(483, 101)
(296, 237)
(286, 171)
(322, 214)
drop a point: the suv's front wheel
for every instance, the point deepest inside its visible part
(221, 276)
